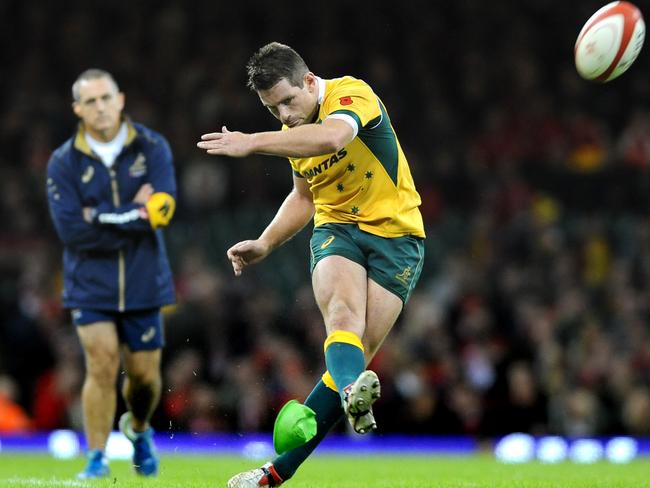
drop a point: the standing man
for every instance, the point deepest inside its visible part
(367, 249)
(111, 188)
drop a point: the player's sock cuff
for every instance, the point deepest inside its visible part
(329, 381)
(272, 475)
(345, 337)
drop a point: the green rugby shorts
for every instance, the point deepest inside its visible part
(394, 263)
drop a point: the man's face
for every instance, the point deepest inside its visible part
(99, 106)
(292, 105)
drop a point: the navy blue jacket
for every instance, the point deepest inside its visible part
(121, 265)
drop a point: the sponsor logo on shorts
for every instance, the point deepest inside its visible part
(76, 314)
(149, 334)
(327, 242)
(405, 276)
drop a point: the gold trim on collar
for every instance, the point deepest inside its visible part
(81, 144)
(132, 133)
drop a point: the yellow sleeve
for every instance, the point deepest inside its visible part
(356, 100)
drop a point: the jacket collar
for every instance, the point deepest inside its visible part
(80, 140)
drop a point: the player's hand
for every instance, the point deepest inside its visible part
(245, 253)
(144, 192)
(226, 143)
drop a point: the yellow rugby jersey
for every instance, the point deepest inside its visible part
(369, 181)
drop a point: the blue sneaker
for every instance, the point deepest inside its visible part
(97, 466)
(145, 460)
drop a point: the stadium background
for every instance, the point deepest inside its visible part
(531, 314)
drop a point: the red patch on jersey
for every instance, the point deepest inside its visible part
(345, 100)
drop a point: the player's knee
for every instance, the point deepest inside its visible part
(102, 365)
(341, 316)
(144, 376)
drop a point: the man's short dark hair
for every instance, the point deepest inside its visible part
(91, 74)
(273, 62)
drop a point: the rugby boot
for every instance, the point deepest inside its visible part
(145, 459)
(359, 397)
(97, 466)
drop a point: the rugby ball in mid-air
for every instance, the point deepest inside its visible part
(609, 42)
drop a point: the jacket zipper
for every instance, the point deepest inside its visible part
(120, 263)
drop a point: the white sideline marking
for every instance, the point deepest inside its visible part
(40, 482)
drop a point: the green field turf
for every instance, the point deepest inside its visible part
(339, 472)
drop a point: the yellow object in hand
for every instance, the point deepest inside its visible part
(160, 207)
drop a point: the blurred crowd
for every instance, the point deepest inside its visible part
(532, 311)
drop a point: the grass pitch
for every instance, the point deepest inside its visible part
(329, 472)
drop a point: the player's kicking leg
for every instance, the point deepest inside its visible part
(325, 399)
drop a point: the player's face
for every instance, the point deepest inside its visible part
(292, 105)
(100, 107)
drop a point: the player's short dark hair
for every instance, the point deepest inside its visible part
(273, 62)
(91, 74)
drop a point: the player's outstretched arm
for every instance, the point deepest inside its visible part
(294, 213)
(245, 253)
(298, 142)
